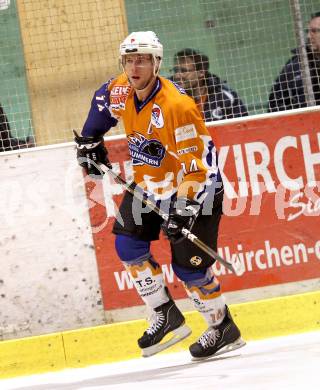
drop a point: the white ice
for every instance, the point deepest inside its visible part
(283, 363)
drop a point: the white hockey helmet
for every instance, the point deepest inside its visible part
(143, 42)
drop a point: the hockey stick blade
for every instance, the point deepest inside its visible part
(235, 266)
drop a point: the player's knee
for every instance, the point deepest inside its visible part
(199, 277)
(186, 274)
(131, 249)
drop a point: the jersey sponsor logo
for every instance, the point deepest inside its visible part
(187, 150)
(185, 132)
(119, 90)
(118, 96)
(143, 151)
(157, 117)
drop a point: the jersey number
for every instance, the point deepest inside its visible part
(192, 168)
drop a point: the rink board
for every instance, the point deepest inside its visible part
(271, 174)
(116, 342)
(59, 273)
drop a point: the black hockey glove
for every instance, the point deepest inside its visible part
(90, 153)
(182, 215)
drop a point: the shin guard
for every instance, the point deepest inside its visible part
(149, 282)
(207, 298)
(143, 269)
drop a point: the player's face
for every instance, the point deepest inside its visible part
(314, 35)
(186, 75)
(139, 69)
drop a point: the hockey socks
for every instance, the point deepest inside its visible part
(222, 335)
(206, 297)
(148, 280)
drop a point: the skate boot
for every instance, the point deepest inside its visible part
(167, 319)
(217, 340)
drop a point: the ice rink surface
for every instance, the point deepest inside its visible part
(283, 363)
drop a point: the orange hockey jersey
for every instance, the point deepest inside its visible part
(171, 149)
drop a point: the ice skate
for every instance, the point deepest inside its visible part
(167, 320)
(217, 340)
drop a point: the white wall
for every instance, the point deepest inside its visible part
(48, 274)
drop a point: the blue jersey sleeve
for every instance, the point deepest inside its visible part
(99, 119)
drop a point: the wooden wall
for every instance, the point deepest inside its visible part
(71, 48)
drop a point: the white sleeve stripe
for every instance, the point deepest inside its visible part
(229, 94)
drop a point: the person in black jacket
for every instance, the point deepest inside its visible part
(213, 96)
(288, 91)
(7, 140)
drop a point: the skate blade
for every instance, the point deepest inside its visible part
(177, 335)
(239, 343)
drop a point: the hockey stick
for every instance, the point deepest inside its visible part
(236, 266)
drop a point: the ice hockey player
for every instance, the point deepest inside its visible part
(175, 165)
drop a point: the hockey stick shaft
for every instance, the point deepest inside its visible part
(236, 268)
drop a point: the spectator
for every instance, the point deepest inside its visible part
(214, 98)
(288, 92)
(7, 140)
